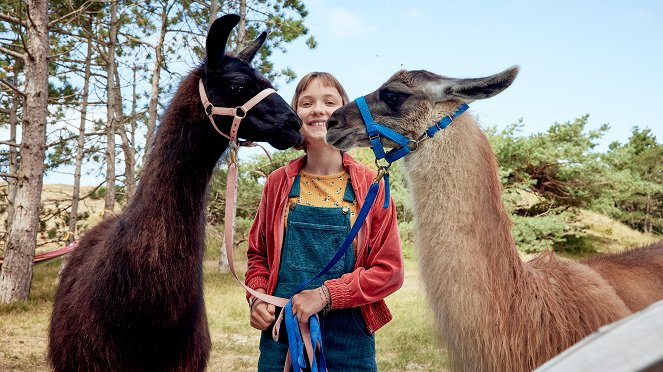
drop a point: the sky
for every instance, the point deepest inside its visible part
(602, 58)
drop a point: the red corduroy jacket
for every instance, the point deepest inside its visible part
(379, 266)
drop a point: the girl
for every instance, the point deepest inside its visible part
(306, 211)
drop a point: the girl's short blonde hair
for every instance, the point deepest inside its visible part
(326, 79)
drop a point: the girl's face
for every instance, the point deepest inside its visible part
(315, 105)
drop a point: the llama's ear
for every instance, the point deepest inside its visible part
(217, 37)
(250, 51)
(479, 88)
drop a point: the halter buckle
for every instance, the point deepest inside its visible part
(209, 107)
(232, 152)
(374, 137)
(413, 145)
(240, 110)
(382, 170)
(437, 124)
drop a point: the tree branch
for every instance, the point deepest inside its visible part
(8, 175)
(12, 53)
(81, 9)
(9, 143)
(12, 87)
(10, 19)
(136, 40)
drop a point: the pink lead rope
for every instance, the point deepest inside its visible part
(239, 113)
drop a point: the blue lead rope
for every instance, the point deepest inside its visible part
(296, 343)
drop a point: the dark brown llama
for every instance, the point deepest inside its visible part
(495, 312)
(131, 297)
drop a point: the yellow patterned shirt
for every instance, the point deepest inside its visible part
(323, 191)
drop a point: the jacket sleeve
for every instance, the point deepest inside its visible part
(257, 271)
(382, 274)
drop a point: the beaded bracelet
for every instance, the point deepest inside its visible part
(328, 303)
(321, 292)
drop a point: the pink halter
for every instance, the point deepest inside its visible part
(238, 113)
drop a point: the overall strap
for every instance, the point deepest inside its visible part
(295, 190)
(349, 194)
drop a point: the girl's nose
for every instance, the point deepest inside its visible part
(318, 108)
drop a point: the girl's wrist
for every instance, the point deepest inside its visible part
(326, 299)
(252, 301)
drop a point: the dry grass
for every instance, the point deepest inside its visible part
(608, 235)
(407, 343)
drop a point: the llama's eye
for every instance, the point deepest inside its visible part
(236, 88)
(393, 99)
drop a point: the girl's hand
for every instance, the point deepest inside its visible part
(308, 303)
(262, 314)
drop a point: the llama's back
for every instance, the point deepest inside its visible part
(635, 274)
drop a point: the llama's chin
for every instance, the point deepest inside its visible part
(339, 141)
(281, 144)
(345, 140)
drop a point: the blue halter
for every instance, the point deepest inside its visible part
(405, 145)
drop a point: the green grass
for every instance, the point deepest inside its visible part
(406, 343)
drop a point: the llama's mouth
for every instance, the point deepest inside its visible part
(346, 139)
(284, 144)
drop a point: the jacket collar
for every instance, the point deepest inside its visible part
(293, 167)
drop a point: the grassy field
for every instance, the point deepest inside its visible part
(406, 343)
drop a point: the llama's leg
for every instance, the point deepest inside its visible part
(196, 341)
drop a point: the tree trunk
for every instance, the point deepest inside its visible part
(111, 112)
(648, 213)
(16, 272)
(13, 158)
(224, 266)
(213, 12)
(80, 148)
(241, 28)
(154, 93)
(127, 145)
(130, 182)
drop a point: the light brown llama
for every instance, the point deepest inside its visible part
(495, 312)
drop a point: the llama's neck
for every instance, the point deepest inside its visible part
(167, 212)
(463, 232)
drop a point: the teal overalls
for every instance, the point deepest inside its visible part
(312, 237)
